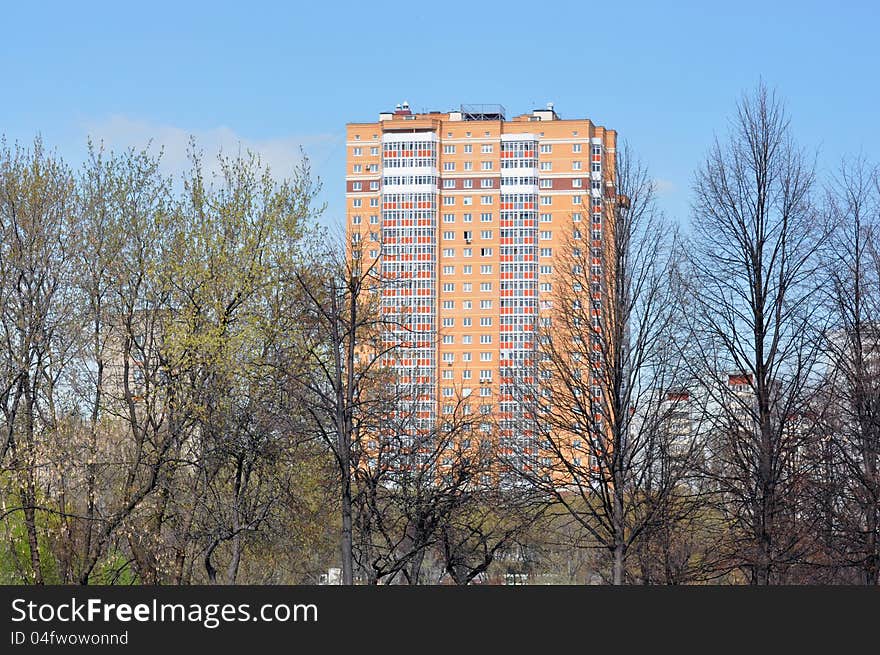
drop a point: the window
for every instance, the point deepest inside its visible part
(486, 147)
(485, 356)
(466, 287)
(448, 322)
(546, 270)
(374, 219)
(357, 151)
(485, 338)
(467, 339)
(469, 166)
(486, 166)
(356, 202)
(546, 252)
(447, 374)
(576, 147)
(468, 235)
(546, 184)
(373, 168)
(468, 148)
(485, 234)
(448, 150)
(358, 168)
(448, 201)
(448, 270)
(485, 286)
(486, 217)
(467, 200)
(449, 166)
(466, 321)
(374, 202)
(448, 184)
(448, 236)
(448, 339)
(485, 200)
(596, 167)
(546, 148)
(486, 374)
(546, 218)
(356, 220)
(466, 357)
(576, 183)
(449, 218)
(374, 150)
(449, 252)
(546, 200)
(576, 217)
(576, 234)
(449, 286)
(449, 304)
(546, 166)
(467, 269)
(575, 200)
(575, 165)
(448, 392)
(468, 184)
(466, 374)
(545, 287)
(486, 183)
(485, 252)
(486, 269)
(467, 304)
(467, 252)
(485, 391)
(467, 218)
(545, 235)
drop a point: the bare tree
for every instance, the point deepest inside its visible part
(753, 281)
(849, 481)
(337, 372)
(609, 355)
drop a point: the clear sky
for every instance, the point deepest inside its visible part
(274, 76)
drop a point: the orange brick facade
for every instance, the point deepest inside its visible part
(465, 213)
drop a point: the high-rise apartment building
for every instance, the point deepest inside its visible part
(464, 213)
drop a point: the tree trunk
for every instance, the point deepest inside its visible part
(347, 558)
(617, 571)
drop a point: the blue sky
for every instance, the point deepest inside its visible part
(275, 76)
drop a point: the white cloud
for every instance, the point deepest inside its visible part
(664, 187)
(281, 154)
